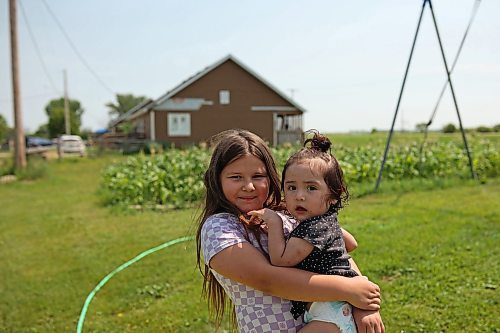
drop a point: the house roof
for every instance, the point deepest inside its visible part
(149, 103)
(127, 115)
(210, 68)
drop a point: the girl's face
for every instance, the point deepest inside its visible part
(245, 183)
(306, 193)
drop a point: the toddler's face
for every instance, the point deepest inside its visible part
(306, 193)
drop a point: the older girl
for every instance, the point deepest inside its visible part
(242, 177)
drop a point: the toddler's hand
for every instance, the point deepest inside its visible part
(368, 321)
(252, 221)
(267, 215)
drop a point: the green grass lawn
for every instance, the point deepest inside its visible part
(434, 253)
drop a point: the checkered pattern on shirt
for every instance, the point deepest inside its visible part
(256, 312)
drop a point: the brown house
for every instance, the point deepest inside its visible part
(224, 95)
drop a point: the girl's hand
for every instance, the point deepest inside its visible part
(364, 294)
(267, 215)
(368, 321)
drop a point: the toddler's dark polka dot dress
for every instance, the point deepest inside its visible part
(329, 255)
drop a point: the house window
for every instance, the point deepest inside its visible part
(140, 127)
(224, 96)
(179, 124)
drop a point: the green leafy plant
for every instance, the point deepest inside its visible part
(174, 177)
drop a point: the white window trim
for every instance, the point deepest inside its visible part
(179, 132)
(224, 97)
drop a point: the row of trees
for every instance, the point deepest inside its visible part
(55, 114)
(451, 128)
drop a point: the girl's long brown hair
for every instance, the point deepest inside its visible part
(228, 147)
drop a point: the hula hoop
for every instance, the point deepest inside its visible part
(79, 328)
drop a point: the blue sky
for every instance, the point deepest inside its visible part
(343, 60)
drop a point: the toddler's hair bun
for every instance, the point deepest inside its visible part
(319, 142)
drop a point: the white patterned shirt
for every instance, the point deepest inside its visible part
(256, 312)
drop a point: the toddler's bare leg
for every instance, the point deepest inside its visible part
(320, 327)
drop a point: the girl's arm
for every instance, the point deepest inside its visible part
(366, 320)
(350, 242)
(245, 264)
(354, 266)
(281, 252)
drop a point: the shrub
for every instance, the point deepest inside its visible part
(483, 129)
(450, 128)
(35, 169)
(6, 166)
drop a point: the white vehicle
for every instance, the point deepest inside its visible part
(71, 144)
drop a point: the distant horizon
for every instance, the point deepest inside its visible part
(374, 130)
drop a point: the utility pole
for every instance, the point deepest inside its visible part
(19, 140)
(66, 106)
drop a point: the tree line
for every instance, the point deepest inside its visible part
(452, 128)
(55, 113)
(124, 102)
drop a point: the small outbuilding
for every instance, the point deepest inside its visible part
(225, 95)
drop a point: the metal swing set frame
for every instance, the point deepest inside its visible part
(448, 82)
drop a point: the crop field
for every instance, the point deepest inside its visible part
(431, 244)
(174, 178)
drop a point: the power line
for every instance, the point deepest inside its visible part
(37, 49)
(9, 100)
(84, 62)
